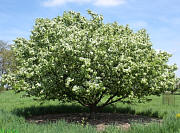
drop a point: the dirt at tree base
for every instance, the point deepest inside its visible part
(101, 120)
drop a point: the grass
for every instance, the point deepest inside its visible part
(9, 121)
(27, 106)
(14, 109)
(170, 125)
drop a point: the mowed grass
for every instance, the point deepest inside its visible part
(14, 109)
(11, 102)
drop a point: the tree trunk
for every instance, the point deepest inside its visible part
(93, 110)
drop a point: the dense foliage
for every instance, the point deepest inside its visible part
(72, 58)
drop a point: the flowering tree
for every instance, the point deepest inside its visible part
(72, 58)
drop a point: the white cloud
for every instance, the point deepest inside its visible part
(52, 3)
(109, 2)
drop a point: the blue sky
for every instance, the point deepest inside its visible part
(161, 18)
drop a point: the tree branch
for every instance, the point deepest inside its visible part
(112, 102)
(81, 102)
(100, 97)
(109, 99)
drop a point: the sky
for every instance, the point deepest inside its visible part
(161, 18)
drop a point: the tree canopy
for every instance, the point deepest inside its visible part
(73, 58)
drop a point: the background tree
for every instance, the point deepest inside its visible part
(7, 62)
(3, 48)
(178, 84)
(72, 58)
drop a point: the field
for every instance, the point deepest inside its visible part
(16, 110)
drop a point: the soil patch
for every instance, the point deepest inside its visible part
(100, 121)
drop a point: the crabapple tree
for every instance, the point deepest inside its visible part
(74, 58)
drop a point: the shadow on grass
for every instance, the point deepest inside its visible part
(58, 109)
(50, 109)
(151, 113)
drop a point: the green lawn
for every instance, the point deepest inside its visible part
(9, 101)
(13, 109)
